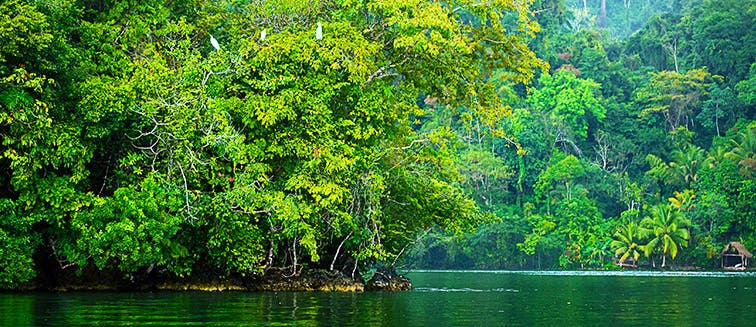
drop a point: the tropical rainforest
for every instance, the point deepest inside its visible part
(237, 136)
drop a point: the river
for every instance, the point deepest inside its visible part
(440, 298)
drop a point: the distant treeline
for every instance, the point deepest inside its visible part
(637, 149)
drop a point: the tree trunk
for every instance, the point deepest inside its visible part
(671, 47)
(628, 25)
(716, 117)
(602, 15)
(336, 255)
(674, 57)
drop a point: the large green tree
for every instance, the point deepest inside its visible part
(131, 143)
(674, 96)
(572, 100)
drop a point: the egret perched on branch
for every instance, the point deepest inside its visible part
(214, 42)
(263, 34)
(319, 32)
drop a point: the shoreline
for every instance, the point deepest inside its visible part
(316, 280)
(273, 280)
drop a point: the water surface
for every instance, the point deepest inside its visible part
(441, 298)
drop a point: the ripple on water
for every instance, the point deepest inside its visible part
(622, 273)
(434, 289)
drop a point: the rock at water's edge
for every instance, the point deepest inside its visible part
(386, 279)
(310, 280)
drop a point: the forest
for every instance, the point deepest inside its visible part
(232, 137)
(636, 146)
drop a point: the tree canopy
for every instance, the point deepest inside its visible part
(130, 142)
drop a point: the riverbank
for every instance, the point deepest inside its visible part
(272, 280)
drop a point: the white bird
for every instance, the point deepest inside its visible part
(215, 44)
(263, 34)
(319, 32)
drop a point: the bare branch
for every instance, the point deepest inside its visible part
(419, 237)
(335, 256)
(186, 195)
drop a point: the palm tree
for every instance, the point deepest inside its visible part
(666, 225)
(744, 147)
(716, 156)
(625, 244)
(744, 152)
(683, 201)
(682, 170)
(687, 163)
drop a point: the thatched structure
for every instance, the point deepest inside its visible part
(735, 256)
(629, 262)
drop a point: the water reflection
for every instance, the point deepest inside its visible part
(441, 299)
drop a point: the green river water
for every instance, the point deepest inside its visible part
(440, 298)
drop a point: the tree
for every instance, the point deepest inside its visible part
(580, 223)
(721, 104)
(744, 151)
(559, 178)
(746, 90)
(41, 156)
(723, 209)
(626, 243)
(17, 243)
(570, 99)
(683, 201)
(674, 96)
(658, 43)
(136, 228)
(667, 229)
(542, 241)
(486, 174)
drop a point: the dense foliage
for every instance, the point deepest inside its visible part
(636, 147)
(230, 137)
